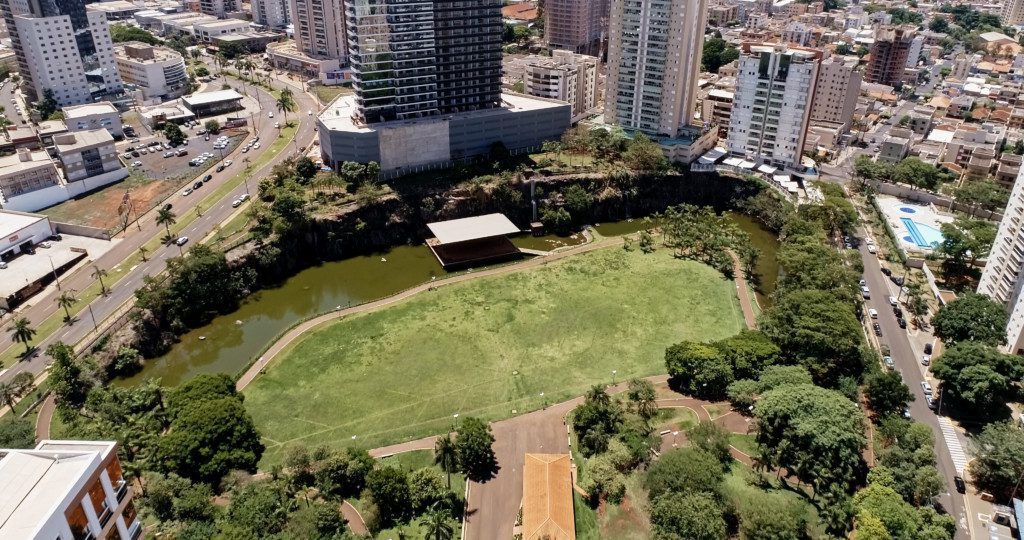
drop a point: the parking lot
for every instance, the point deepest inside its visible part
(155, 166)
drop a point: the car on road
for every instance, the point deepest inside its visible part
(932, 404)
(893, 302)
(872, 249)
(902, 322)
(45, 245)
(3, 265)
(255, 146)
(228, 162)
(270, 114)
(886, 271)
(206, 138)
(220, 167)
(889, 363)
(246, 149)
(958, 481)
(878, 329)
(244, 197)
(181, 241)
(926, 359)
(187, 192)
(926, 387)
(866, 292)
(198, 184)
(863, 283)
(873, 313)
(207, 178)
(309, 112)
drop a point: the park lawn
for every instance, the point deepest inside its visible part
(493, 348)
(737, 488)
(684, 417)
(744, 442)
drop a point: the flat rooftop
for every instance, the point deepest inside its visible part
(13, 164)
(89, 109)
(472, 228)
(337, 116)
(27, 268)
(12, 222)
(207, 98)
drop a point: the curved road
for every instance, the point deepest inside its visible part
(43, 306)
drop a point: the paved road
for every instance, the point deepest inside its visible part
(43, 306)
(906, 356)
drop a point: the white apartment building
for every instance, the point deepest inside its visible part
(654, 57)
(89, 154)
(835, 96)
(92, 116)
(218, 8)
(1001, 278)
(771, 111)
(158, 71)
(564, 76)
(50, 47)
(66, 490)
(206, 31)
(1013, 12)
(271, 13)
(320, 29)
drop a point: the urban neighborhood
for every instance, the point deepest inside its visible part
(512, 269)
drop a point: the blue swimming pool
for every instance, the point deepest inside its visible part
(907, 210)
(922, 235)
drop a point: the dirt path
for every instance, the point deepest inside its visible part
(743, 293)
(45, 416)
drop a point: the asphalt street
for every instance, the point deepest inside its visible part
(907, 359)
(103, 306)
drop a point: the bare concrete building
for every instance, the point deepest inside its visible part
(889, 55)
(576, 25)
(835, 95)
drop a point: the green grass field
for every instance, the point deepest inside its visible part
(488, 348)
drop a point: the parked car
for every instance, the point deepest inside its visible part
(872, 249)
(45, 245)
(198, 184)
(136, 164)
(181, 241)
(889, 363)
(902, 322)
(56, 237)
(926, 359)
(932, 404)
(958, 481)
(135, 153)
(866, 292)
(277, 125)
(270, 114)
(928, 348)
(926, 388)
(181, 152)
(228, 162)
(897, 311)
(244, 197)
(220, 167)
(207, 178)
(187, 192)
(878, 329)
(236, 203)
(3, 265)
(206, 138)
(873, 313)
(893, 302)
(886, 271)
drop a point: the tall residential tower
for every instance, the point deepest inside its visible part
(1001, 279)
(319, 28)
(575, 25)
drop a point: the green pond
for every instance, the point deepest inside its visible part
(230, 342)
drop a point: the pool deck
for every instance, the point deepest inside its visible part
(896, 210)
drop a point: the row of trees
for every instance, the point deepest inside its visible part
(910, 171)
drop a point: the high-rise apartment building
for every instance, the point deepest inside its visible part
(1001, 278)
(64, 48)
(835, 96)
(218, 8)
(272, 13)
(889, 55)
(564, 76)
(320, 28)
(654, 54)
(772, 105)
(418, 59)
(575, 25)
(1012, 13)
(66, 490)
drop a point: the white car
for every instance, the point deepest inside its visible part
(257, 145)
(277, 125)
(892, 301)
(181, 241)
(309, 113)
(136, 164)
(244, 197)
(926, 359)
(872, 249)
(246, 149)
(187, 192)
(873, 313)
(270, 114)
(228, 162)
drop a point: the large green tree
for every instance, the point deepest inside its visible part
(685, 471)
(258, 510)
(971, 317)
(716, 53)
(210, 438)
(815, 433)
(887, 393)
(473, 444)
(699, 369)
(596, 421)
(771, 516)
(999, 460)
(66, 379)
(676, 516)
(749, 352)
(389, 489)
(17, 433)
(175, 136)
(979, 377)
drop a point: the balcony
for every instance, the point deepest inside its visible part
(121, 490)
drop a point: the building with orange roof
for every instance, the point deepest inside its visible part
(522, 11)
(547, 498)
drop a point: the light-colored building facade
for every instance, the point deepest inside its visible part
(772, 106)
(320, 28)
(88, 154)
(23, 173)
(1001, 278)
(835, 95)
(271, 13)
(576, 25)
(1012, 12)
(564, 76)
(717, 108)
(218, 8)
(66, 490)
(158, 71)
(51, 48)
(93, 116)
(206, 31)
(654, 58)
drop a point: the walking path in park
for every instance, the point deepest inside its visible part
(46, 409)
(742, 292)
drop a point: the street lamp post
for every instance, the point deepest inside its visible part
(93, 315)
(54, 270)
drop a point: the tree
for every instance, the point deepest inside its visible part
(984, 194)
(711, 438)
(212, 125)
(120, 33)
(938, 24)
(389, 488)
(776, 376)
(716, 53)
(65, 300)
(17, 433)
(676, 516)
(749, 352)
(174, 134)
(596, 421)
(286, 103)
(203, 387)
(557, 219)
(48, 104)
(446, 456)
(306, 168)
(698, 369)
(22, 332)
(963, 242)
(978, 377)
(641, 394)
(344, 474)
(578, 202)
(869, 527)
(209, 438)
(643, 154)
(900, 519)
(914, 172)
(98, 274)
(813, 432)
(742, 394)
(65, 379)
(686, 471)
(438, 525)
(426, 489)
(259, 509)
(9, 394)
(473, 443)
(887, 393)
(971, 317)
(771, 517)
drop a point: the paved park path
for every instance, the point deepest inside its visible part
(45, 416)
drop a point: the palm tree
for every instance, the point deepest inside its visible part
(286, 103)
(22, 332)
(8, 394)
(65, 301)
(438, 524)
(166, 218)
(98, 273)
(143, 251)
(445, 456)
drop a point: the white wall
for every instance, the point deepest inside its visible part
(36, 232)
(43, 198)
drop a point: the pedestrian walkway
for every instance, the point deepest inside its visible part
(956, 450)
